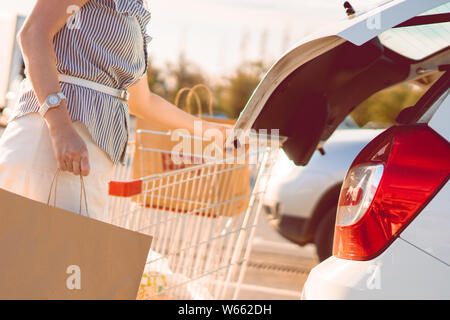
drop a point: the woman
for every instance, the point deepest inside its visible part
(73, 112)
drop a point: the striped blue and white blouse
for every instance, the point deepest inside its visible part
(106, 43)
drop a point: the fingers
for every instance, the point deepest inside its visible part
(70, 150)
(69, 165)
(85, 167)
(75, 162)
(61, 164)
(80, 164)
(76, 168)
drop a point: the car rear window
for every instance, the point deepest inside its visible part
(419, 42)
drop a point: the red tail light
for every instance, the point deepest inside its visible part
(388, 184)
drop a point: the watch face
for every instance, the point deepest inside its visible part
(53, 100)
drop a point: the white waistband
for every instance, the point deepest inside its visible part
(121, 94)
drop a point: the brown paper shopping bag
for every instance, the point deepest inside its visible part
(49, 253)
(232, 182)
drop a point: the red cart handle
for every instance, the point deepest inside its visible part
(125, 188)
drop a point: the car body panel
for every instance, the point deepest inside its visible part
(306, 93)
(441, 118)
(430, 230)
(298, 197)
(398, 273)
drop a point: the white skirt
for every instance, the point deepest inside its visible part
(28, 166)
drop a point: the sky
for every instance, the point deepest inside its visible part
(217, 34)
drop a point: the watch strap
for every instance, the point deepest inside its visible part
(45, 107)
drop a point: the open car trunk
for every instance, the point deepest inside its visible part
(311, 89)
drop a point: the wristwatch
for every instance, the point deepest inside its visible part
(52, 101)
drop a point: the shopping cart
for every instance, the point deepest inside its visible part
(202, 216)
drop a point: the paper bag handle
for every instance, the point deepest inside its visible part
(194, 90)
(189, 103)
(192, 93)
(83, 193)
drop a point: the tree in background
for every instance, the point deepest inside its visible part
(383, 107)
(234, 94)
(230, 95)
(156, 82)
(168, 81)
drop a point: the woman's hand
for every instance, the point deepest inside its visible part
(225, 132)
(70, 150)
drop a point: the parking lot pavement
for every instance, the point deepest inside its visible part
(277, 269)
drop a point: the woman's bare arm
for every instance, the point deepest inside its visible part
(148, 106)
(36, 42)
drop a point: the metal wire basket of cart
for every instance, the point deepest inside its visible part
(201, 211)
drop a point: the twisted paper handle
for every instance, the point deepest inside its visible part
(83, 193)
(193, 93)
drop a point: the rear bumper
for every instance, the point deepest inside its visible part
(401, 272)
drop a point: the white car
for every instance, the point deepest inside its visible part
(302, 201)
(392, 238)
